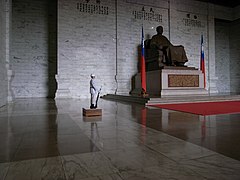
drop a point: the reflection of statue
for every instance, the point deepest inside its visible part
(94, 136)
(160, 51)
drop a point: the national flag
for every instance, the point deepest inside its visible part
(143, 70)
(202, 63)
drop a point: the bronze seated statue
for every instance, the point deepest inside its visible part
(159, 52)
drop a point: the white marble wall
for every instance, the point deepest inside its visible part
(4, 51)
(79, 50)
(86, 44)
(222, 55)
(106, 44)
(188, 22)
(32, 59)
(228, 54)
(235, 57)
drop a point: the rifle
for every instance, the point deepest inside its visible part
(98, 97)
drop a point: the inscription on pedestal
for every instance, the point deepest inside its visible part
(177, 80)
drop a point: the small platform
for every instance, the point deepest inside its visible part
(92, 112)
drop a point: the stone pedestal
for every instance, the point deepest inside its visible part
(92, 112)
(172, 82)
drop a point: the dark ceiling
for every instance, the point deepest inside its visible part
(228, 3)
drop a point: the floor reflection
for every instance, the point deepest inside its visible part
(95, 137)
(219, 133)
(46, 139)
(48, 134)
(44, 128)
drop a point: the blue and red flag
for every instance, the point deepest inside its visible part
(202, 63)
(143, 70)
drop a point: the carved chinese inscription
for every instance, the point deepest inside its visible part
(177, 80)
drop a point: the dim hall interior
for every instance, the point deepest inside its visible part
(48, 51)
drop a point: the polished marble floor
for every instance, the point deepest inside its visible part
(47, 139)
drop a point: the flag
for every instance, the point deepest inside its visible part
(143, 70)
(202, 63)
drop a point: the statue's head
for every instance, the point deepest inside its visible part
(159, 29)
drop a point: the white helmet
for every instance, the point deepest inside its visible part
(92, 75)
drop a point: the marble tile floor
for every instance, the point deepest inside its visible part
(46, 139)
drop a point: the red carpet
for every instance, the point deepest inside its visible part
(204, 108)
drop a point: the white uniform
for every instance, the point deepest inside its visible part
(93, 91)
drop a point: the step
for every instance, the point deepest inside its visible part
(126, 98)
(192, 99)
